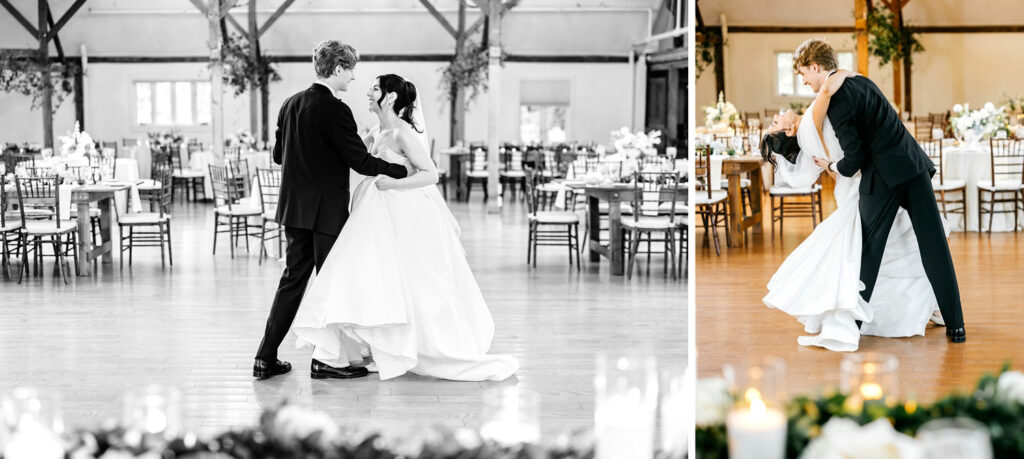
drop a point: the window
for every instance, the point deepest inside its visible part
(543, 123)
(544, 111)
(791, 84)
(172, 103)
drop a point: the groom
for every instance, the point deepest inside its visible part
(317, 145)
(895, 173)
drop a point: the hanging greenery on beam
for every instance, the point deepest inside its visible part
(468, 72)
(21, 72)
(241, 70)
(889, 41)
(706, 48)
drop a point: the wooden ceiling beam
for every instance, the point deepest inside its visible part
(440, 18)
(64, 19)
(21, 19)
(273, 18)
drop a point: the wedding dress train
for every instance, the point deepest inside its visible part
(397, 285)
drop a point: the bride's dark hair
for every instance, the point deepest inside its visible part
(780, 143)
(406, 96)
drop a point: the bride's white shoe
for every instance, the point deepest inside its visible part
(937, 318)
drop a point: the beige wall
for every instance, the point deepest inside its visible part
(954, 68)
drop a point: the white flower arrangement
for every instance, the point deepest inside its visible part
(634, 143)
(242, 137)
(77, 143)
(1010, 386)
(978, 124)
(713, 402)
(843, 438)
(722, 113)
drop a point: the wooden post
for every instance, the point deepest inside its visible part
(906, 71)
(254, 54)
(44, 62)
(860, 9)
(216, 79)
(494, 104)
(897, 72)
(458, 103)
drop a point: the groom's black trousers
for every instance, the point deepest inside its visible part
(306, 249)
(878, 211)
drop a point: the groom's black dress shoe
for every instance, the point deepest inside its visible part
(320, 370)
(956, 335)
(263, 369)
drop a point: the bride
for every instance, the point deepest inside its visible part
(396, 286)
(819, 283)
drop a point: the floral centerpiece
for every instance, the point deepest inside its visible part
(970, 126)
(165, 139)
(721, 115)
(243, 138)
(836, 425)
(292, 431)
(632, 145)
(77, 143)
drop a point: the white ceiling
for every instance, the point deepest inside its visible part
(803, 13)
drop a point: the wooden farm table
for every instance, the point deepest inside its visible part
(456, 158)
(734, 167)
(615, 195)
(103, 195)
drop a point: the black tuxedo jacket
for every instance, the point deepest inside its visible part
(873, 138)
(317, 145)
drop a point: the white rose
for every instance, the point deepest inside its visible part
(989, 106)
(958, 108)
(1010, 386)
(712, 402)
(843, 438)
(295, 422)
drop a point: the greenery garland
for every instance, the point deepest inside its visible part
(887, 40)
(241, 70)
(1002, 414)
(289, 431)
(706, 49)
(22, 73)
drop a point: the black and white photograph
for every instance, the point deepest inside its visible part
(369, 228)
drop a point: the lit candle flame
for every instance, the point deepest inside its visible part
(753, 397)
(871, 391)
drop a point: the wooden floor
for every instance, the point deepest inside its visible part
(733, 323)
(197, 327)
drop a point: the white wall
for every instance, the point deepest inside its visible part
(110, 28)
(599, 99)
(954, 68)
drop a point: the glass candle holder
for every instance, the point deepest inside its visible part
(756, 426)
(869, 377)
(624, 415)
(32, 421)
(154, 411)
(955, 438)
(511, 416)
(675, 411)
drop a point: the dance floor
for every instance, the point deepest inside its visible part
(196, 326)
(733, 323)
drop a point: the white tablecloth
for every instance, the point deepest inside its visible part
(973, 165)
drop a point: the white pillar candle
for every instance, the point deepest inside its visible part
(757, 432)
(624, 427)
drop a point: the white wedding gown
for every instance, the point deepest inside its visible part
(819, 283)
(397, 285)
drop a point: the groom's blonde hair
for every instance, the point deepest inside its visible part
(815, 51)
(332, 53)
